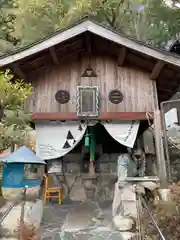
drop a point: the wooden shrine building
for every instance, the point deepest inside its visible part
(89, 72)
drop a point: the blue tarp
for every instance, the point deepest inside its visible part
(22, 155)
(13, 177)
(13, 174)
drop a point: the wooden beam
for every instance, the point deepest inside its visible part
(87, 42)
(157, 69)
(102, 116)
(63, 51)
(160, 150)
(17, 70)
(53, 55)
(59, 51)
(139, 61)
(122, 56)
(96, 29)
(61, 61)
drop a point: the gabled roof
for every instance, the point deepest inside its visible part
(88, 35)
(94, 28)
(22, 155)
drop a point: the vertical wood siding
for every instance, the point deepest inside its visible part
(135, 85)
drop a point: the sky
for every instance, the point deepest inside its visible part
(169, 3)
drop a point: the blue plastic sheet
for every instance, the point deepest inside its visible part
(13, 177)
(23, 155)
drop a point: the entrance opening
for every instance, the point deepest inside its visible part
(76, 164)
(106, 147)
(107, 151)
(109, 144)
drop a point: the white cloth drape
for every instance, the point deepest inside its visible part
(124, 132)
(55, 139)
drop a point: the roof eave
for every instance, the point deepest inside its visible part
(96, 29)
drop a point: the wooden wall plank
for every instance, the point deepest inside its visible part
(136, 86)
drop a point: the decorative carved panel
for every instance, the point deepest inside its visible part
(62, 96)
(87, 101)
(89, 72)
(115, 96)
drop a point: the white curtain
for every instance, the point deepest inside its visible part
(54, 139)
(124, 132)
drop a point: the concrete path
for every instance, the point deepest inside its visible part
(79, 221)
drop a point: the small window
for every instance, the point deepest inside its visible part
(31, 171)
(87, 101)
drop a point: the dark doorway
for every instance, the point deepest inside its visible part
(105, 144)
(109, 145)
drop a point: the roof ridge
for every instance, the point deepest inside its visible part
(84, 18)
(92, 21)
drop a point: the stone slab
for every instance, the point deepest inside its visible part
(99, 216)
(81, 217)
(129, 208)
(127, 193)
(89, 220)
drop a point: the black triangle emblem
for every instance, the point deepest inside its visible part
(89, 72)
(66, 145)
(69, 135)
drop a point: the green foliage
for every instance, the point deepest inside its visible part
(151, 21)
(13, 119)
(7, 25)
(166, 214)
(38, 18)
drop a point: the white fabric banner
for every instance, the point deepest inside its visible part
(124, 132)
(171, 117)
(54, 139)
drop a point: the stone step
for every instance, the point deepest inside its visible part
(129, 208)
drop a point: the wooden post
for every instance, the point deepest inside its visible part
(166, 145)
(92, 152)
(22, 213)
(160, 150)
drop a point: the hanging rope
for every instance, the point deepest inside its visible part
(148, 115)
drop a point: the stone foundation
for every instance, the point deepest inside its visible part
(76, 182)
(11, 193)
(99, 189)
(124, 209)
